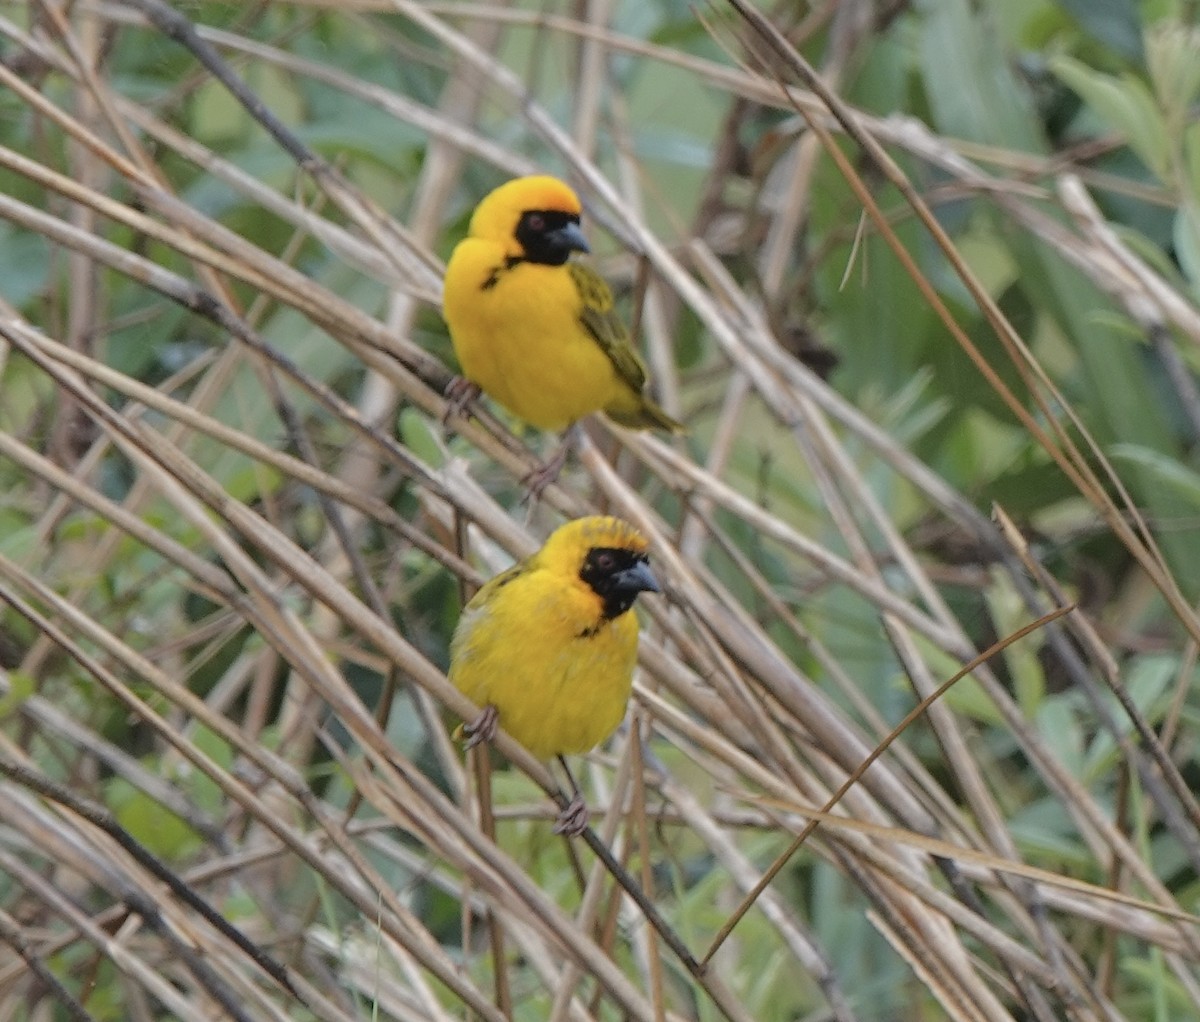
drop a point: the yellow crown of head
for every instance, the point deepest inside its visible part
(496, 217)
(569, 544)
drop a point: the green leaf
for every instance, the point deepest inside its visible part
(1191, 161)
(1127, 105)
(1042, 829)
(1112, 22)
(1173, 60)
(1058, 723)
(1163, 470)
(18, 542)
(202, 789)
(161, 832)
(1187, 241)
(24, 262)
(969, 81)
(1028, 678)
(969, 699)
(20, 687)
(24, 259)
(1118, 387)
(418, 436)
(1146, 684)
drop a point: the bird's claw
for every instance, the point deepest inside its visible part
(460, 393)
(482, 728)
(573, 820)
(546, 473)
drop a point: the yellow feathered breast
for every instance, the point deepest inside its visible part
(551, 643)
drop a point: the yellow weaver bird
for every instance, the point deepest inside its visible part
(533, 330)
(548, 647)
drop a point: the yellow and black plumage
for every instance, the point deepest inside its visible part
(534, 330)
(548, 647)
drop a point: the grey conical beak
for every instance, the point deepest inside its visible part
(568, 238)
(638, 579)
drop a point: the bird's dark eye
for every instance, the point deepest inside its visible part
(605, 562)
(536, 222)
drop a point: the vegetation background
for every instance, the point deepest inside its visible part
(922, 277)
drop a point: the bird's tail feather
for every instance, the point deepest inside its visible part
(645, 415)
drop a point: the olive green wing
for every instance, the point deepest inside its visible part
(609, 332)
(606, 327)
(479, 610)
